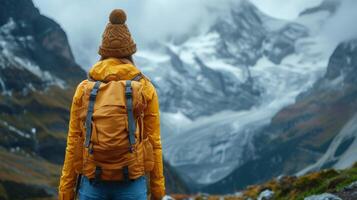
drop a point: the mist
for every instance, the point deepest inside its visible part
(148, 21)
(342, 26)
(161, 20)
(285, 9)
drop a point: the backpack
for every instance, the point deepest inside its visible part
(114, 146)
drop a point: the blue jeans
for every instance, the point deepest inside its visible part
(131, 190)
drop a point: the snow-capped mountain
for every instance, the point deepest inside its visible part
(245, 101)
(34, 47)
(218, 89)
(38, 75)
(316, 132)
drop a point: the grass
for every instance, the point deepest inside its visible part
(32, 175)
(314, 183)
(19, 171)
(22, 168)
(295, 188)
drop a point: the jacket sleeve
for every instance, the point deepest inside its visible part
(152, 129)
(69, 176)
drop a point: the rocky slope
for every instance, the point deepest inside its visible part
(173, 181)
(326, 184)
(37, 78)
(37, 74)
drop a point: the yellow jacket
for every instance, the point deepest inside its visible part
(115, 69)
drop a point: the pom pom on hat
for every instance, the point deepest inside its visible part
(116, 39)
(117, 16)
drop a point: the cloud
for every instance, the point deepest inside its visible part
(166, 18)
(148, 20)
(85, 20)
(285, 9)
(342, 25)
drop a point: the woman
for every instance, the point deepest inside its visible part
(116, 64)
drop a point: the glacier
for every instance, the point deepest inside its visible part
(268, 63)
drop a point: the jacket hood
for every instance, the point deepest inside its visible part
(113, 69)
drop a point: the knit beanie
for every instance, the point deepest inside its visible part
(116, 39)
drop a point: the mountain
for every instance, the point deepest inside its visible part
(252, 98)
(219, 89)
(173, 181)
(318, 130)
(38, 75)
(339, 89)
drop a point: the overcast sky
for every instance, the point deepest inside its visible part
(285, 9)
(85, 20)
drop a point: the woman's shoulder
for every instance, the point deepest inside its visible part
(148, 87)
(77, 97)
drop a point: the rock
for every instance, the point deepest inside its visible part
(325, 196)
(349, 192)
(351, 186)
(266, 195)
(167, 198)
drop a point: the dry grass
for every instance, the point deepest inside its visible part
(28, 170)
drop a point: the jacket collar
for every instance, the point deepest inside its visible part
(113, 69)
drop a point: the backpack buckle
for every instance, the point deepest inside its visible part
(131, 149)
(128, 92)
(128, 89)
(92, 96)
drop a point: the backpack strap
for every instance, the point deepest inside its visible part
(131, 119)
(97, 174)
(92, 97)
(138, 77)
(126, 173)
